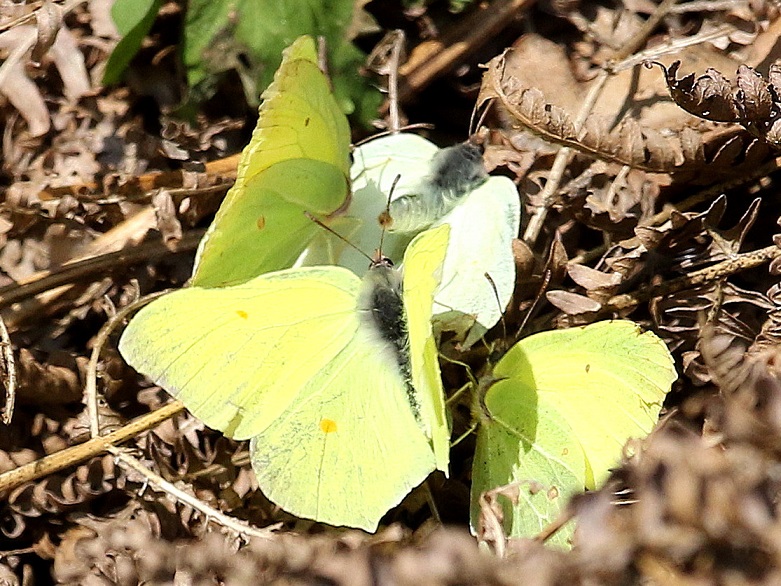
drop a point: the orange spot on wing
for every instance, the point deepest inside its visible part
(242, 314)
(327, 425)
(261, 223)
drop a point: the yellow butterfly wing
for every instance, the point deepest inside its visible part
(423, 264)
(297, 161)
(287, 360)
(238, 356)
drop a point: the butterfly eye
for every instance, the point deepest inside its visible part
(380, 260)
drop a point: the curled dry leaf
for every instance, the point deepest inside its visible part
(61, 47)
(627, 143)
(167, 222)
(129, 549)
(573, 303)
(750, 100)
(592, 279)
(45, 384)
(48, 22)
(490, 527)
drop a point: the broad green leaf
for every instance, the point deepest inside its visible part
(565, 404)
(249, 36)
(133, 19)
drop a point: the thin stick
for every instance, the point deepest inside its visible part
(432, 59)
(560, 163)
(563, 156)
(91, 388)
(90, 267)
(722, 270)
(432, 505)
(66, 8)
(393, 81)
(551, 528)
(77, 454)
(161, 484)
(9, 365)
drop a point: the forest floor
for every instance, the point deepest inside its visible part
(646, 196)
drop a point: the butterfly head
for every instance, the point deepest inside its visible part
(379, 260)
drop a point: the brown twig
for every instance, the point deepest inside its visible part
(432, 59)
(717, 272)
(91, 387)
(224, 168)
(238, 526)
(9, 366)
(563, 156)
(77, 454)
(91, 267)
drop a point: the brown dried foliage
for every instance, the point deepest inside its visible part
(695, 503)
(749, 100)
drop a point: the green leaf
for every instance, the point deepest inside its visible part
(249, 36)
(134, 19)
(564, 405)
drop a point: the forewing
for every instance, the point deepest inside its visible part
(239, 356)
(483, 226)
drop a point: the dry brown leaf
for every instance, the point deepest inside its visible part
(21, 91)
(750, 100)
(572, 303)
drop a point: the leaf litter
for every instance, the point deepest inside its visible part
(663, 210)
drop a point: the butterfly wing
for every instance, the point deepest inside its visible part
(298, 160)
(349, 448)
(237, 357)
(423, 263)
(483, 226)
(285, 358)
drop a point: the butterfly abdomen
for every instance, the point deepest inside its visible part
(382, 309)
(456, 171)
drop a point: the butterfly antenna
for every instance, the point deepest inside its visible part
(543, 287)
(547, 276)
(498, 303)
(335, 233)
(385, 217)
